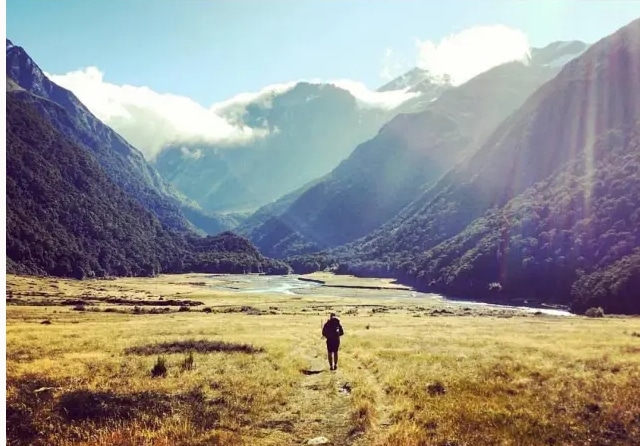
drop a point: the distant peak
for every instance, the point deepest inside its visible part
(565, 45)
(412, 78)
(9, 44)
(556, 54)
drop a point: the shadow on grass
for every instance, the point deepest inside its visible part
(192, 345)
(98, 405)
(39, 410)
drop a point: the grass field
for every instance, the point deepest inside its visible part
(411, 372)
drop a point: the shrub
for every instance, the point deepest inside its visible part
(184, 308)
(594, 312)
(206, 310)
(436, 388)
(159, 368)
(187, 363)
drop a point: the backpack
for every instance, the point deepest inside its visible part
(332, 329)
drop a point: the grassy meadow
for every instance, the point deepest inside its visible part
(250, 369)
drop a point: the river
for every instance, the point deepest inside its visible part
(292, 285)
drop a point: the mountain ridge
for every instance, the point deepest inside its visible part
(410, 151)
(122, 162)
(311, 128)
(66, 217)
(581, 126)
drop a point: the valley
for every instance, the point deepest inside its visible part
(185, 214)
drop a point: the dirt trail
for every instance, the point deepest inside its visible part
(322, 407)
(382, 420)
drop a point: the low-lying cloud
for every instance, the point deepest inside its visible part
(472, 51)
(151, 121)
(366, 98)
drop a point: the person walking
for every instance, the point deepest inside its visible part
(332, 330)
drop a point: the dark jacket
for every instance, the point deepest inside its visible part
(332, 329)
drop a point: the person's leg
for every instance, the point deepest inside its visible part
(330, 357)
(335, 359)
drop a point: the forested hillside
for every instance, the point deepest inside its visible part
(573, 236)
(546, 209)
(65, 216)
(122, 163)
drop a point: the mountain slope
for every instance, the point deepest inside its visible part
(418, 80)
(123, 163)
(559, 239)
(311, 128)
(574, 142)
(386, 173)
(66, 217)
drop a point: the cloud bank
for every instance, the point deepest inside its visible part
(151, 121)
(472, 51)
(367, 98)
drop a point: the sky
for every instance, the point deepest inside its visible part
(187, 63)
(212, 50)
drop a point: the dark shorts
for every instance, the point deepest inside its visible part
(333, 345)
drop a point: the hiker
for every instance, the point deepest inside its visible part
(332, 330)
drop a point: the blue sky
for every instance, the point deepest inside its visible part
(212, 50)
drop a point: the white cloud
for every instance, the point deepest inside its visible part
(367, 98)
(473, 51)
(191, 153)
(151, 121)
(235, 107)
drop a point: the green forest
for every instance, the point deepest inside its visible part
(65, 217)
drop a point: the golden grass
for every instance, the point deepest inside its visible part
(459, 378)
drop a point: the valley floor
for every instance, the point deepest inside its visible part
(411, 372)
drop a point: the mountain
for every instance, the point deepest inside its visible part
(311, 126)
(275, 208)
(557, 54)
(418, 80)
(124, 164)
(386, 173)
(66, 217)
(546, 209)
(408, 80)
